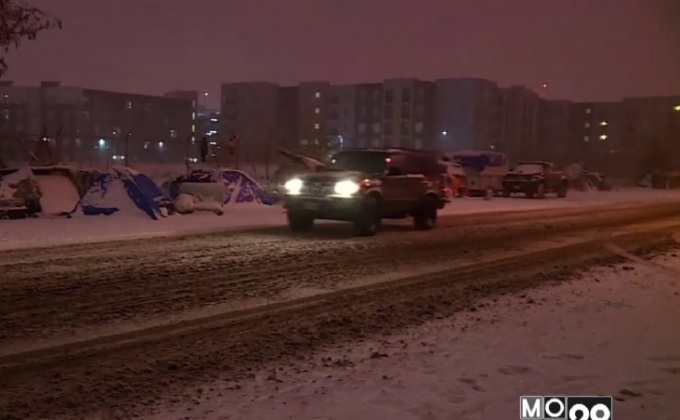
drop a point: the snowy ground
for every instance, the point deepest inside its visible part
(47, 232)
(612, 332)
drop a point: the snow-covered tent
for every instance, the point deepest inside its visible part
(125, 190)
(239, 186)
(52, 190)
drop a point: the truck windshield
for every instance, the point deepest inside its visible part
(367, 162)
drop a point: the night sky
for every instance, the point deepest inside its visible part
(584, 49)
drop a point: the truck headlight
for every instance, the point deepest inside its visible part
(346, 188)
(293, 186)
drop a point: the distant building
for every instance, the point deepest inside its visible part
(520, 125)
(91, 125)
(249, 110)
(468, 115)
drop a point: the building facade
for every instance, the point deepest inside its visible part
(319, 118)
(249, 110)
(86, 125)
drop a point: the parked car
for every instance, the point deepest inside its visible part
(365, 186)
(535, 179)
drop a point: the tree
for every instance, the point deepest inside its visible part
(18, 22)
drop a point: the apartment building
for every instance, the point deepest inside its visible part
(468, 115)
(341, 118)
(249, 110)
(554, 130)
(88, 124)
(408, 117)
(520, 124)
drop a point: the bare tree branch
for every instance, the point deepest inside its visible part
(19, 21)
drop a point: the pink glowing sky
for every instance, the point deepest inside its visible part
(584, 49)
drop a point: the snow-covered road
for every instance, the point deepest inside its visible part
(613, 331)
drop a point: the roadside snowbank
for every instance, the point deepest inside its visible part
(41, 232)
(612, 332)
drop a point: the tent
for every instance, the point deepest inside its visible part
(123, 189)
(239, 187)
(53, 190)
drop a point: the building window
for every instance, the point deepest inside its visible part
(316, 142)
(376, 95)
(604, 123)
(388, 129)
(173, 133)
(361, 128)
(389, 96)
(406, 95)
(586, 125)
(193, 128)
(316, 126)
(418, 127)
(376, 127)
(129, 105)
(317, 94)
(317, 110)
(303, 142)
(193, 116)
(362, 112)
(603, 137)
(405, 112)
(388, 112)
(588, 111)
(405, 128)
(586, 138)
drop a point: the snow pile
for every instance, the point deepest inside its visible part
(11, 184)
(126, 191)
(185, 204)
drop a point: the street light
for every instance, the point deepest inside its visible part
(444, 132)
(102, 143)
(676, 108)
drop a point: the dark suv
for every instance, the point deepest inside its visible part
(363, 186)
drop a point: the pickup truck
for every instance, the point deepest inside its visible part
(535, 179)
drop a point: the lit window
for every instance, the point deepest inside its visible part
(129, 105)
(193, 128)
(317, 94)
(317, 110)
(587, 125)
(193, 116)
(316, 126)
(586, 138)
(316, 142)
(303, 142)
(603, 137)
(587, 110)
(173, 133)
(676, 108)
(604, 123)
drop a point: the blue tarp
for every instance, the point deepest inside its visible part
(140, 189)
(240, 188)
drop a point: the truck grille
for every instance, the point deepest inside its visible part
(318, 189)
